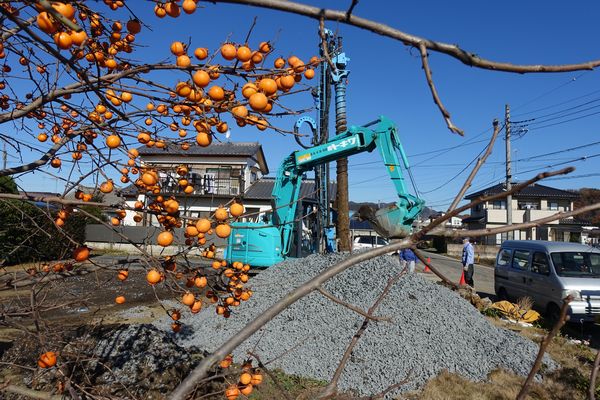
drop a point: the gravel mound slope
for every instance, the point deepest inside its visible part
(431, 329)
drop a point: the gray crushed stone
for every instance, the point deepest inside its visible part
(432, 329)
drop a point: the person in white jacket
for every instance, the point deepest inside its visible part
(468, 259)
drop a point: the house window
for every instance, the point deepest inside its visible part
(500, 238)
(478, 207)
(528, 205)
(499, 205)
(553, 205)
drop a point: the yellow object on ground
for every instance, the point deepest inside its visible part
(514, 312)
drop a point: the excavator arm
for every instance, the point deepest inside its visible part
(392, 222)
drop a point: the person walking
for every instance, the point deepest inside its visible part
(468, 259)
(408, 259)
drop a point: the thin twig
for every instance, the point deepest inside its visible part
(593, 377)
(524, 225)
(434, 93)
(59, 17)
(543, 346)
(263, 367)
(433, 269)
(480, 161)
(331, 387)
(324, 45)
(382, 394)
(33, 394)
(357, 310)
(435, 224)
(350, 9)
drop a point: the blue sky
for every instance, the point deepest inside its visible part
(386, 79)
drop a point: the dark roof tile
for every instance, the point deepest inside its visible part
(262, 189)
(247, 149)
(530, 191)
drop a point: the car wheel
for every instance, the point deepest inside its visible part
(502, 294)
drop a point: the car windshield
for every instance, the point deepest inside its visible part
(577, 264)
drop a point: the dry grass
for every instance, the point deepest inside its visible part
(570, 382)
(501, 385)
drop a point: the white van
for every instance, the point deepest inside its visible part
(547, 272)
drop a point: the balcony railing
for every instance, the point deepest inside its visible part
(207, 185)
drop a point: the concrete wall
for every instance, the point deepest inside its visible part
(101, 237)
(482, 252)
(153, 250)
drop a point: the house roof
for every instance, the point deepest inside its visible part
(534, 190)
(468, 220)
(262, 189)
(114, 197)
(235, 149)
(40, 194)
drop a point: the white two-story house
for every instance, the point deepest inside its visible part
(532, 203)
(218, 173)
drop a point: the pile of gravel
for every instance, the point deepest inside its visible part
(431, 329)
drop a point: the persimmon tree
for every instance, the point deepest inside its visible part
(76, 102)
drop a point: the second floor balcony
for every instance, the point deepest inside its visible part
(206, 184)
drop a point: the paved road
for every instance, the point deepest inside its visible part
(452, 269)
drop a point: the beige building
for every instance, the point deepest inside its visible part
(217, 173)
(532, 203)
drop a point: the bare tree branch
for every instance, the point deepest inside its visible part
(53, 199)
(543, 346)
(33, 394)
(350, 9)
(253, 326)
(59, 17)
(40, 161)
(432, 268)
(357, 310)
(324, 44)
(264, 368)
(524, 225)
(331, 388)
(466, 57)
(434, 93)
(475, 170)
(435, 224)
(593, 377)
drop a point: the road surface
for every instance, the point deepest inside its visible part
(483, 276)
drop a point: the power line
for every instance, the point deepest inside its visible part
(559, 151)
(557, 104)
(583, 158)
(551, 90)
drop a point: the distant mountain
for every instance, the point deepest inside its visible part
(354, 206)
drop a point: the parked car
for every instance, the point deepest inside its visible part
(547, 272)
(368, 242)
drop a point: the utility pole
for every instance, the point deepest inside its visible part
(343, 218)
(509, 234)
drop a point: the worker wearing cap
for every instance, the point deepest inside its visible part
(468, 259)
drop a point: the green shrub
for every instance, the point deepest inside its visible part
(28, 232)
